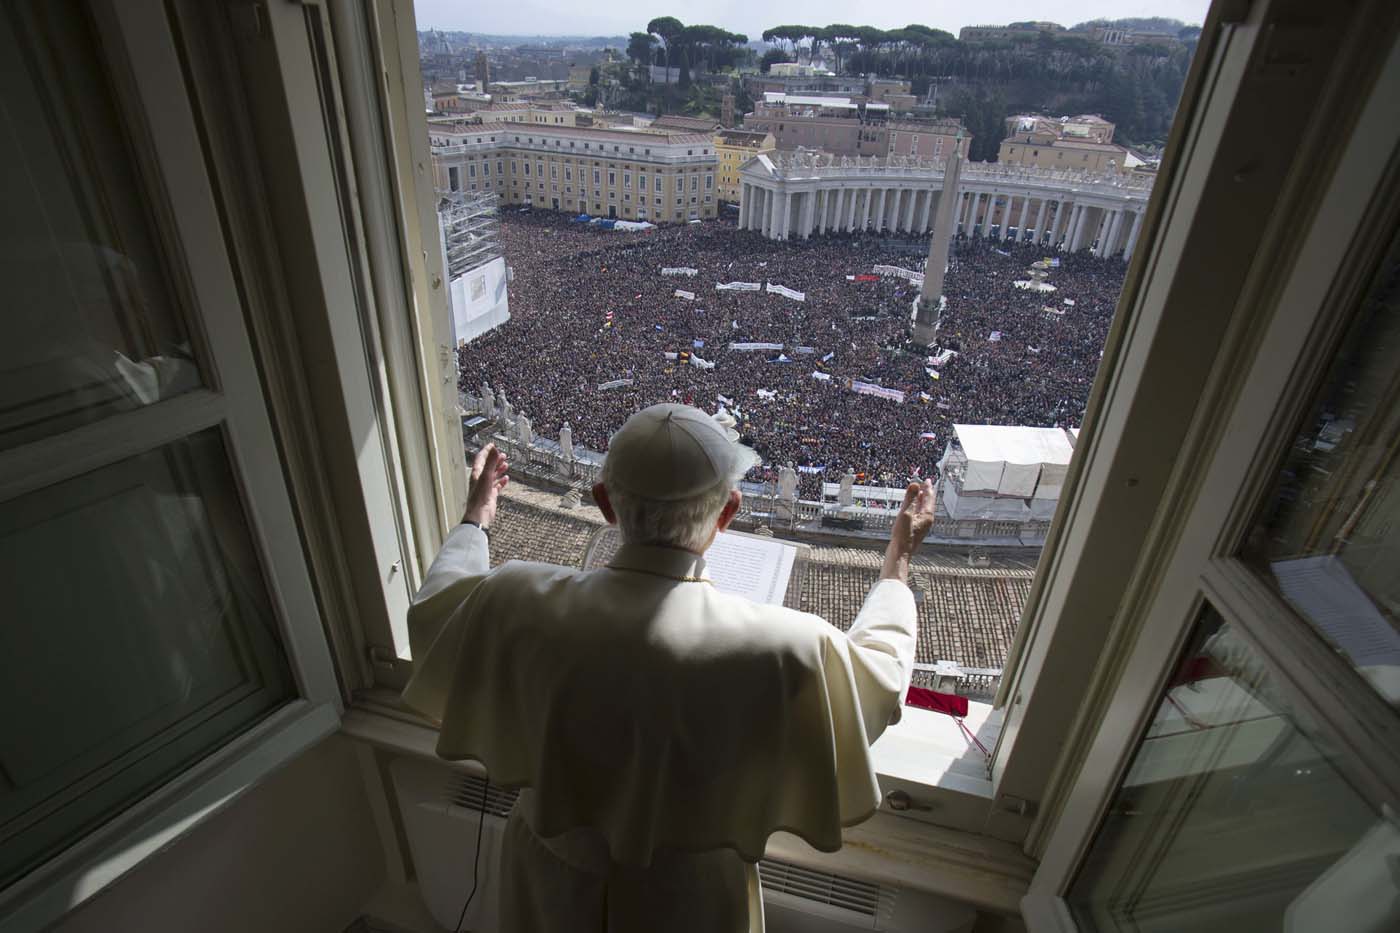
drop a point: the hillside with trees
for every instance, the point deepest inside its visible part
(1066, 72)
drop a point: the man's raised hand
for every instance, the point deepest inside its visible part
(911, 526)
(488, 479)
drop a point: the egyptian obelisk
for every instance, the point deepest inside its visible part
(944, 221)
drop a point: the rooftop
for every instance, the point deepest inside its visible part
(966, 614)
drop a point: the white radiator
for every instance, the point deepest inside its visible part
(441, 808)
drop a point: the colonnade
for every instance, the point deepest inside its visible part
(1066, 220)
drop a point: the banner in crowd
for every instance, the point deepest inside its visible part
(682, 293)
(671, 356)
(614, 384)
(679, 270)
(942, 357)
(995, 336)
(698, 342)
(829, 356)
(808, 350)
(927, 436)
(870, 388)
(863, 277)
(775, 289)
(755, 346)
(724, 400)
(738, 286)
(703, 364)
(916, 277)
(821, 376)
(767, 394)
(932, 373)
(810, 469)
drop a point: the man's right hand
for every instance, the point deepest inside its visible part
(488, 479)
(911, 526)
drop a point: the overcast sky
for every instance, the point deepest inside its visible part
(619, 17)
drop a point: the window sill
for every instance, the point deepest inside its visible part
(925, 754)
(104, 856)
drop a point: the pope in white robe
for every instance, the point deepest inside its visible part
(660, 730)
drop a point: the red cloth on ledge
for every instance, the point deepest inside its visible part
(924, 698)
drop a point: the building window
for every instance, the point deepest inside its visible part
(641, 182)
(694, 183)
(627, 179)
(597, 178)
(709, 182)
(454, 182)
(612, 178)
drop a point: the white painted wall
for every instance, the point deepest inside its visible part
(298, 853)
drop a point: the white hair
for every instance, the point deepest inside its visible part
(680, 523)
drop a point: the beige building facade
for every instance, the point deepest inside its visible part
(608, 173)
(1066, 155)
(734, 148)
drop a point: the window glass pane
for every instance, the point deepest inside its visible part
(1329, 537)
(138, 636)
(1235, 815)
(92, 327)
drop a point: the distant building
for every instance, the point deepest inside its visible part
(678, 123)
(1086, 126)
(822, 125)
(1081, 143)
(578, 76)
(625, 173)
(539, 113)
(795, 70)
(734, 148)
(482, 71)
(1012, 32)
(849, 85)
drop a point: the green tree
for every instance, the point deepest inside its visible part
(666, 28)
(641, 47)
(771, 58)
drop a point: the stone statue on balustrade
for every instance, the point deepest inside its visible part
(785, 509)
(566, 441)
(787, 481)
(846, 497)
(524, 430)
(507, 412)
(566, 450)
(488, 400)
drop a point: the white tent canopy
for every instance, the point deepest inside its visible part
(1017, 464)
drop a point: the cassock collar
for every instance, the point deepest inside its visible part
(670, 562)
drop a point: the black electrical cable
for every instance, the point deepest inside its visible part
(476, 861)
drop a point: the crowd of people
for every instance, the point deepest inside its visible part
(590, 307)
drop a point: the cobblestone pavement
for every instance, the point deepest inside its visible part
(966, 614)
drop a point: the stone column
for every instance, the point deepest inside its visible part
(838, 219)
(809, 203)
(928, 209)
(1072, 228)
(1115, 233)
(926, 312)
(911, 197)
(1040, 222)
(880, 212)
(743, 203)
(865, 211)
(774, 200)
(1021, 224)
(965, 211)
(1133, 234)
(1055, 223)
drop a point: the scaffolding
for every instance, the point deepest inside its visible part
(471, 230)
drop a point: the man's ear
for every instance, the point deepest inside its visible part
(731, 508)
(600, 496)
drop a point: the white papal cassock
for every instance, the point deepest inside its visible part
(663, 729)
